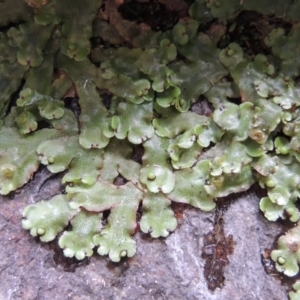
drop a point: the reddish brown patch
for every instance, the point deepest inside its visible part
(216, 249)
(178, 209)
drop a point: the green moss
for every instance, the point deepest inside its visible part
(141, 88)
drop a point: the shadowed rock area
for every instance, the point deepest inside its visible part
(171, 268)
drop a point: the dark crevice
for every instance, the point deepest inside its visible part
(227, 78)
(180, 57)
(105, 215)
(14, 97)
(139, 214)
(43, 124)
(189, 2)
(205, 26)
(248, 29)
(237, 101)
(268, 263)
(11, 195)
(297, 80)
(153, 13)
(72, 103)
(202, 107)
(99, 42)
(120, 180)
(106, 99)
(137, 153)
(10, 25)
(68, 264)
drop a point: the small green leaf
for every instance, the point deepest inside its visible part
(158, 218)
(78, 241)
(155, 162)
(287, 257)
(138, 130)
(26, 122)
(115, 239)
(46, 219)
(226, 184)
(18, 159)
(189, 187)
(94, 122)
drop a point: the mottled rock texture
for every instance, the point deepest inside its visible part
(171, 268)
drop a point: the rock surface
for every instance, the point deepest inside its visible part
(171, 268)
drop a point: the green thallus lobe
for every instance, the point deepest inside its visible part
(152, 85)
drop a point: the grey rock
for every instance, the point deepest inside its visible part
(171, 268)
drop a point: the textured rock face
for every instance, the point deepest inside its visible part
(171, 268)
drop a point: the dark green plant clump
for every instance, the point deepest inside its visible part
(154, 81)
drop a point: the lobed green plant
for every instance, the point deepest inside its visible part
(154, 80)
